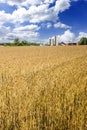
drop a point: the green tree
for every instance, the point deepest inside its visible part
(24, 43)
(83, 41)
(17, 41)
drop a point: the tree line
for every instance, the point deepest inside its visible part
(17, 42)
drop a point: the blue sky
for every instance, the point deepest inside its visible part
(39, 20)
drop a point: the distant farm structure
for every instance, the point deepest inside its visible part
(55, 42)
(71, 44)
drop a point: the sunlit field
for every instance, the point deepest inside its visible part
(43, 88)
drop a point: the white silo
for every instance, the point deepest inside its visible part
(51, 42)
(56, 40)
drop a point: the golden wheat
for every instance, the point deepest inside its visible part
(43, 88)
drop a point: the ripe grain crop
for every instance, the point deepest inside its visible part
(43, 88)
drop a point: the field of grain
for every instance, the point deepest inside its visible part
(43, 88)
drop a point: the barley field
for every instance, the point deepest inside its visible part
(43, 88)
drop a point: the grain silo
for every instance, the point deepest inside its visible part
(56, 40)
(51, 42)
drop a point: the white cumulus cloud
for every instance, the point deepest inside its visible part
(61, 25)
(68, 36)
(81, 34)
(62, 5)
(36, 11)
(29, 32)
(31, 27)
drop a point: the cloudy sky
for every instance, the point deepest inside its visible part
(39, 20)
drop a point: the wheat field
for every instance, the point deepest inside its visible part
(43, 88)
